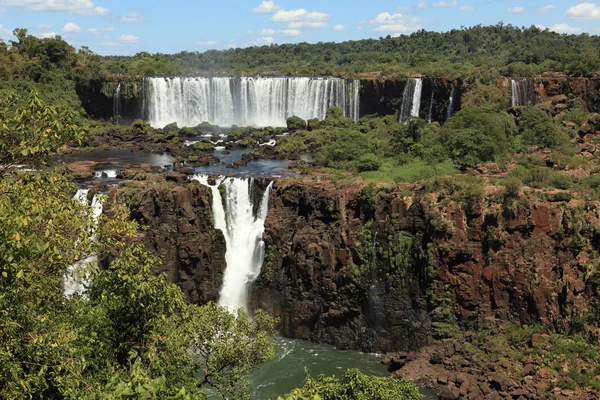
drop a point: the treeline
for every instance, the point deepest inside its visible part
(512, 50)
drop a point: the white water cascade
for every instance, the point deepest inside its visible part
(451, 103)
(75, 280)
(521, 92)
(411, 99)
(243, 228)
(117, 102)
(247, 101)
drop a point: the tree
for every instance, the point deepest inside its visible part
(130, 333)
(30, 132)
(355, 385)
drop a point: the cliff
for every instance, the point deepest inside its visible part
(391, 268)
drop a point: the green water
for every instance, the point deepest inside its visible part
(286, 371)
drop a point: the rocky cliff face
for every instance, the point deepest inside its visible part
(390, 268)
(178, 226)
(380, 271)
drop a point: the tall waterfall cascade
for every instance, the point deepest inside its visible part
(522, 91)
(117, 102)
(246, 101)
(411, 99)
(242, 224)
(75, 280)
(451, 103)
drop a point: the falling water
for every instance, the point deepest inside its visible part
(451, 103)
(247, 101)
(431, 101)
(74, 281)
(242, 225)
(411, 99)
(521, 92)
(117, 102)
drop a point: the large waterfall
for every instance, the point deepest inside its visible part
(76, 279)
(411, 99)
(521, 92)
(242, 224)
(246, 101)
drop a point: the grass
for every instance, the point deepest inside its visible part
(411, 172)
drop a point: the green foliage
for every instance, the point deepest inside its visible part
(502, 48)
(31, 132)
(131, 335)
(204, 146)
(368, 162)
(477, 135)
(537, 128)
(295, 123)
(355, 385)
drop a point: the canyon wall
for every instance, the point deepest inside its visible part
(389, 269)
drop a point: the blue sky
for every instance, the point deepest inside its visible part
(127, 27)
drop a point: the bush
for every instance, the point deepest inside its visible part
(204, 146)
(295, 123)
(537, 128)
(562, 182)
(368, 162)
(512, 187)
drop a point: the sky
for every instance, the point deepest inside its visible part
(120, 27)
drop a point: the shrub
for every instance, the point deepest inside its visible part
(368, 162)
(204, 146)
(295, 123)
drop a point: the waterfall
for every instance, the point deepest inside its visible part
(451, 103)
(74, 282)
(117, 103)
(242, 224)
(521, 92)
(247, 101)
(431, 101)
(411, 99)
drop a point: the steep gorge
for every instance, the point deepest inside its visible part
(388, 269)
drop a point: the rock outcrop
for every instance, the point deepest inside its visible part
(178, 226)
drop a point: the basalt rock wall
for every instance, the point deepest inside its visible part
(390, 272)
(388, 269)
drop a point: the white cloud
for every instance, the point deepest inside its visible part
(338, 28)
(46, 35)
(515, 9)
(467, 9)
(396, 23)
(96, 31)
(561, 28)
(266, 32)
(263, 41)
(83, 7)
(290, 32)
(206, 43)
(299, 15)
(71, 28)
(129, 38)
(422, 5)
(44, 27)
(132, 17)
(546, 9)
(444, 3)
(4, 33)
(311, 25)
(359, 28)
(583, 11)
(266, 7)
